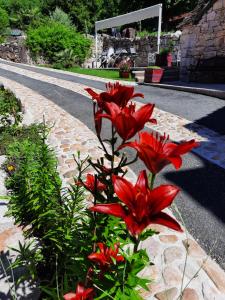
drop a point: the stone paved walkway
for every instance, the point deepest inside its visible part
(203, 279)
(212, 144)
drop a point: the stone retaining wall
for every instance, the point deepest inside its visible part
(204, 40)
(15, 50)
(143, 46)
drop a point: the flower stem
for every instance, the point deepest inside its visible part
(136, 244)
(113, 148)
(152, 180)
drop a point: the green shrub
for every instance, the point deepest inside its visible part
(4, 20)
(51, 38)
(65, 59)
(2, 39)
(11, 134)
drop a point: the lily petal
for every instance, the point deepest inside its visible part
(162, 197)
(93, 94)
(113, 209)
(164, 219)
(124, 190)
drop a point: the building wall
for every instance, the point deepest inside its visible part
(204, 40)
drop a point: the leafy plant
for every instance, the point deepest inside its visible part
(4, 23)
(10, 109)
(164, 51)
(124, 66)
(55, 220)
(66, 59)
(52, 37)
(118, 262)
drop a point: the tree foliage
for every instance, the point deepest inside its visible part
(60, 16)
(84, 13)
(4, 20)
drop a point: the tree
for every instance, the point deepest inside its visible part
(170, 7)
(60, 16)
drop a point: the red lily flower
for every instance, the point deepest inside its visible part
(91, 185)
(126, 120)
(157, 153)
(116, 93)
(105, 257)
(143, 206)
(81, 293)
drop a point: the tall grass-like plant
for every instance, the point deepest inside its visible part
(56, 225)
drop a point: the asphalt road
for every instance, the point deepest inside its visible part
(202, 200)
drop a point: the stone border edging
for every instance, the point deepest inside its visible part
(207, 92)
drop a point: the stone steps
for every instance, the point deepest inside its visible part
(171, 74)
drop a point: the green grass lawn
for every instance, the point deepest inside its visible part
(111, 74)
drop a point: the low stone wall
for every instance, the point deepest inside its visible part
(14, 50)
(204, 40)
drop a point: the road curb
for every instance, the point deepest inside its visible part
(207, 92)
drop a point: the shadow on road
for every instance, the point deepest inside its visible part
(214, 121)
(206, 185)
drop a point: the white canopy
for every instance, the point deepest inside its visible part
(135, 16)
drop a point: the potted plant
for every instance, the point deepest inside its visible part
(161, 58)
(153, 74)
(164, 58)
(124, 69)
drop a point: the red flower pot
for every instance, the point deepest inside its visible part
(169, 60)
(124, 74)
(163, 60)
(153, 75)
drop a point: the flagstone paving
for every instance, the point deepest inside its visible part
(171, 252)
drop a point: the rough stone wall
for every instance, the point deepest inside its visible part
(143, 46)
(204, 40)
(14, 50)
(90, 62)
